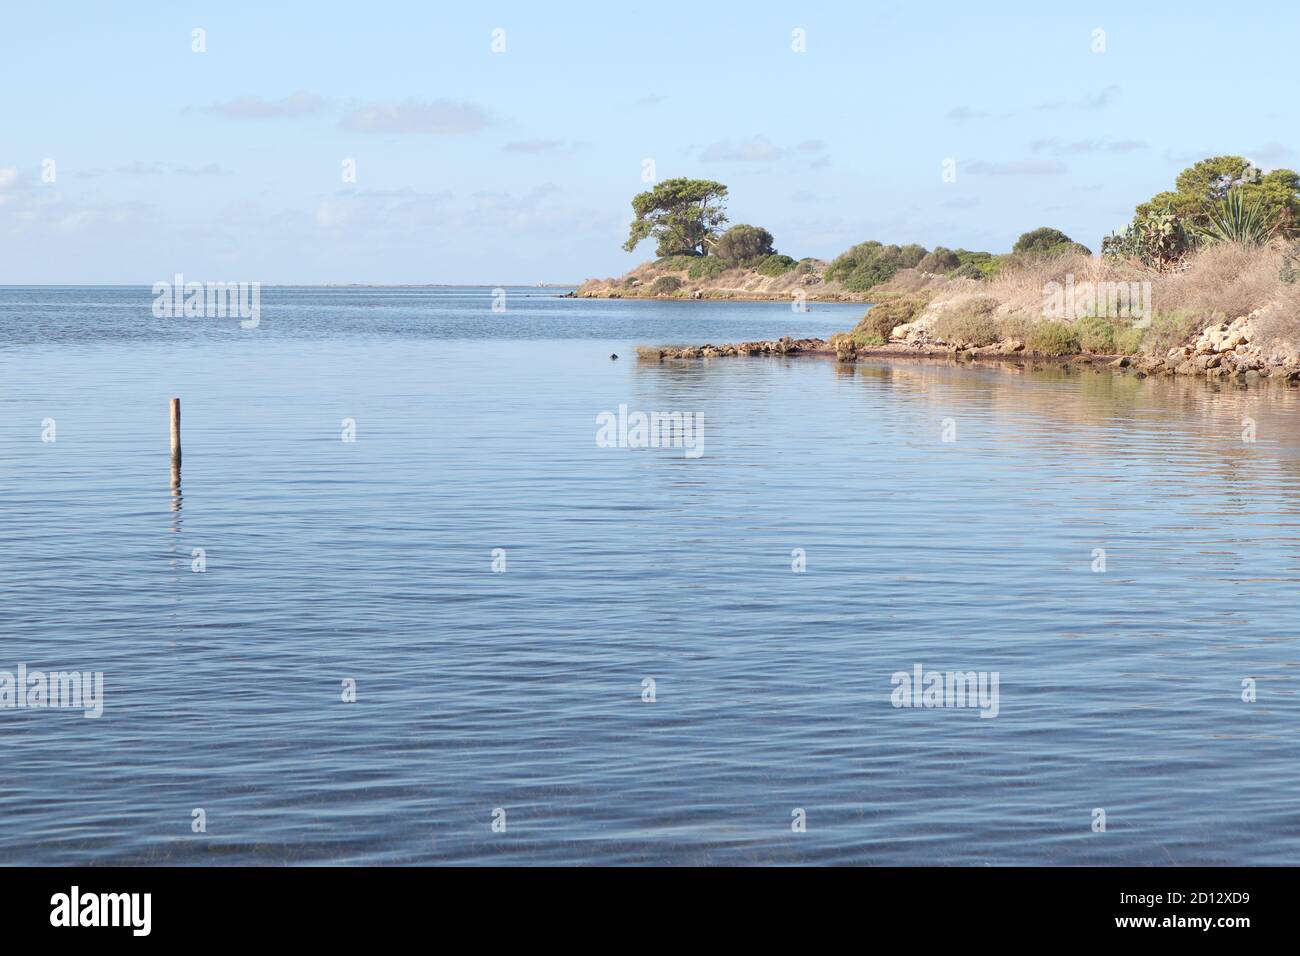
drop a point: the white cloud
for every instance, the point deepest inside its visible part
(438, 117)
(256, 107)
(757, 149)
(1022, 167)
(1081, 146)
(534, 145)
(1093, 101)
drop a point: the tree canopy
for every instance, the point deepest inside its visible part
(744, 243)
(683, 215)
(1047, 241)
(1200, 188)
(870, 263)
(1219, 198)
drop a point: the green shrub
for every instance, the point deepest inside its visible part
(1047, 241)
(775, 265)
(985, 262)
(1014, 327)
(1097, 334)
(1129, 341)
(1051, 337)
(1199, 190)
(870, 263)
(967, 328)
(1232, 219)
(873, 328)
(665, 285)
(1158, 239)
(707, 267)
(883, 317)
(676, 263)
(939, 261)
(1108, 336)
(1170, 329)
(744, 243)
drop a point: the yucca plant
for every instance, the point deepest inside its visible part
(1231, 220)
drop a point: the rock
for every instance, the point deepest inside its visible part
(1208, 360)
(916, 332)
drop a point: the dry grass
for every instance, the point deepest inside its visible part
(1280, 321)
(1225, 279)
(912, 282)
(1021, 291)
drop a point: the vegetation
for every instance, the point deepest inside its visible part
(1047, 241)
(970, 329)
(1223, 245)
(1169, 329)
(870, 263)
(939, 261)
(1014, 328)
(881, 319)
(682, 215)
(1231, 220)
(1051, 337)
(665, 285)
(775, 265)
(1157, 239)
(1108, 335)
(977, 265)
(706, 267)
(1219, 199)
(744, 243)
(1199, 188)
(1289, 271)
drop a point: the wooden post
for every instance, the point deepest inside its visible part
(176, 440)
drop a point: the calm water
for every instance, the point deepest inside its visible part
(522, 690)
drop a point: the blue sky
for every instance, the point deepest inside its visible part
(482, 167)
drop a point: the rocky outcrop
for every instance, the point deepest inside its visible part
(1230, 350)
(1224, 350)
(804, 282)
(782, 346)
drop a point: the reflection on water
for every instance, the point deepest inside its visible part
(372, 561)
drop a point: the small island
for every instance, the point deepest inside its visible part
(1203, 281)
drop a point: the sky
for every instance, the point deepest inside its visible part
(503, 143)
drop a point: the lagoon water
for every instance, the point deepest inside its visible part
(371, 561)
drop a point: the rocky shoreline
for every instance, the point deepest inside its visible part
(1222, 351)
(722, 295)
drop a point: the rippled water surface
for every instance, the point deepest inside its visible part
(475, 430)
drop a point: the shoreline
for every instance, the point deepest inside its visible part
(1213, 366)
(724, 295)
